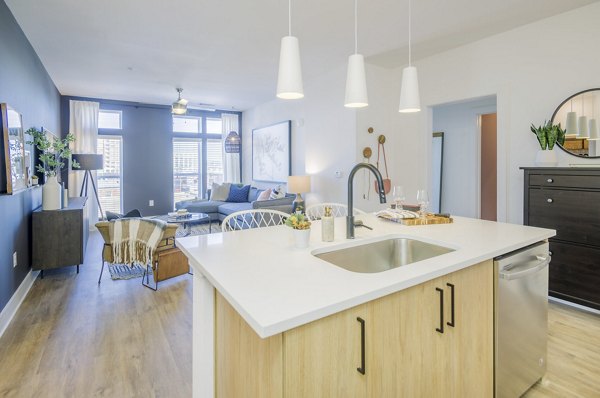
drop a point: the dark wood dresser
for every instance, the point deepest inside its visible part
(568, 200)
(60, 236)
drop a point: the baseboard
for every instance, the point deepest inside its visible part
(9, 311)
(574, 305)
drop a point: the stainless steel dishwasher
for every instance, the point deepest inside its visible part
(521, 319)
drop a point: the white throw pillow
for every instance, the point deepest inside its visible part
(220, 192)
(277, 193)
(264, 195)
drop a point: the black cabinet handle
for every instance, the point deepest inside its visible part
(441, 328)
(361, 370)
(451, 286)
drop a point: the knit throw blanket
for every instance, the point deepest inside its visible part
(134, 240)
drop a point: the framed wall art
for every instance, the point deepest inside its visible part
(272, 153)
(14, 168)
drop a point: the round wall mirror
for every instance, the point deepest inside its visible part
(580, 116)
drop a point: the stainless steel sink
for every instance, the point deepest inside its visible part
(382, 255)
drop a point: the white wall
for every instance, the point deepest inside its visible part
(531, 70)
(461, 168)
(323, 134)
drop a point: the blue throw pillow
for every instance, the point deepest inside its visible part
(238, 194)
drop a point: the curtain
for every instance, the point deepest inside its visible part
(231, 161)
(83, 124)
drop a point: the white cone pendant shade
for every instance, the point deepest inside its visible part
(583, 127)
(409, 93)
(356, 83)
(594, 136)
(289, 81)
(571, 124)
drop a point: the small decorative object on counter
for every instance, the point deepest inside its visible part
(34, 180)
(327, 225)
(548, 135)
(301, 229)
(65, 201)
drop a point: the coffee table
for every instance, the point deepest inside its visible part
(187, 222)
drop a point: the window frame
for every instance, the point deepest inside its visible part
(121, 185)
(203, 136)
(119, 112)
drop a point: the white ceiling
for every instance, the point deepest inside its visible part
(225, 52)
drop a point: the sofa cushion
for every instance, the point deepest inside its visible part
(254, 193)
(220, 192)
(228, 208)
(203, 206)
(238, 194)
(264, 195)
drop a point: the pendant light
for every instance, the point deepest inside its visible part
(179, 107)
(289, 81)
(356, 82)
(571, 123)
(594, 136)
(583, 122)
(409, 92)
(232, 143)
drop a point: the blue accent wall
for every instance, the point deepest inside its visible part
(27, 87)
(147, 136)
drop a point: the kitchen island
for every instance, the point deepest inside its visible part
(270, 319)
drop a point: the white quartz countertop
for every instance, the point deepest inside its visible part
(276, 287)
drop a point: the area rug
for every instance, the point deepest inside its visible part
(123, 271)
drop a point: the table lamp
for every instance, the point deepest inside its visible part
(89, 162)
(298, 185)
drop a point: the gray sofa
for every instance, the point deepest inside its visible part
(218, 210)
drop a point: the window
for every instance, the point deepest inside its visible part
(110, 120)
(186, 161)
(110, 177)
(186, 124)
(197, 161)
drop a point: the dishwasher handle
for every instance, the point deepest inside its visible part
(541, 264)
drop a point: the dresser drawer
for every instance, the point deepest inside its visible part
(575, 273)
(575, 215)
(565, 181)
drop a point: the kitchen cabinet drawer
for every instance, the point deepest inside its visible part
(575, 273)
(574, 214)
(565, 181)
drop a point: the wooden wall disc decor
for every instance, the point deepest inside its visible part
(381, 139)
(367, 152)
(370, 130)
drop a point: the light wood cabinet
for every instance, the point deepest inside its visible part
(409, 350)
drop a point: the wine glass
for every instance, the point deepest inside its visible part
(398, 196)
(423, 200)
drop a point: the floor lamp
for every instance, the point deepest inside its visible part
(89, 162)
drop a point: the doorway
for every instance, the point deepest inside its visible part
(469, 172)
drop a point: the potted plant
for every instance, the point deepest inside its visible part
(54, 156)
(301, 229)
(548, 135)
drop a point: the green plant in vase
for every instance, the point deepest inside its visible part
(548, 135)
(54, 156)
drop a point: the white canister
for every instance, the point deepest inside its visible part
(51, 194)
(327, 229)
(65, 202)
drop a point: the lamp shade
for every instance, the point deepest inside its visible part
(289, 81)
(409, 93)
(583, 127)
(594, 136)
(356, 83)
(571, 124)
(298, 184)
(232, 143)
(178, 108)
(88, 161)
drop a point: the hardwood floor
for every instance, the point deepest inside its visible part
(73, 338)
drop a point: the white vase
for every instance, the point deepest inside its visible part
(546, 158)
(51, 194)
(301, 238)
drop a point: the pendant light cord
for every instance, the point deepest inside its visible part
(289, 17)
(355, 26)
(409, 34)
